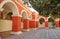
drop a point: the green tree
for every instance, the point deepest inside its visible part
(47, 7)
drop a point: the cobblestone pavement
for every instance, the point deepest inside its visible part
(38, 34)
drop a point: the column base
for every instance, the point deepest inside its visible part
(17, 33)
(57, 28)
(34, 28)
(46, 28)
(26, 29)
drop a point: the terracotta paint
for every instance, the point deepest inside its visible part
(1, 1)
(46, 24)
(32, 24)
(25, 24)
(37, 24)
(16, 19)
(57, 24)
(16, 24)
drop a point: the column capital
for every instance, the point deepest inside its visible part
(57, 19)
(46, 20)
(33, 20)
(16, 16)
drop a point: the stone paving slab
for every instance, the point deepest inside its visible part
(38, 34)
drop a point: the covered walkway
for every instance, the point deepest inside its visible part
(38, 34)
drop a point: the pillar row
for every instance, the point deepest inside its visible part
(16, 25)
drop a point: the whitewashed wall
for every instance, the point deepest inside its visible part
(5, 25)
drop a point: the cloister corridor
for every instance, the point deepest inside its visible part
(19, 20)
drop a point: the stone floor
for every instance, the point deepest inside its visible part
(5, 34)
(37, 34)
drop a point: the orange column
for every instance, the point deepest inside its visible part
(37, 24)
(32, 24)
(46, 24)
(26, 24)
(16, 24)
(57, 23)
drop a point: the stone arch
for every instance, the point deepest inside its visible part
(30, 17)
(13, 8)
(51, 23)
(9, 16)
(12, 5)
(24, 14)
(50, 19)
(25, 20)
(41, 20)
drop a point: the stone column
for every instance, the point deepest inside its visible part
(32, 24)
(16, 25)
(57, 22)
(26, 24)
(37, 24)
(46, 22)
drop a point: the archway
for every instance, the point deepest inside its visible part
(25, 21)
(9, 16)
(51, 23)
(24, 16)
(10, 10)
(42, 22)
